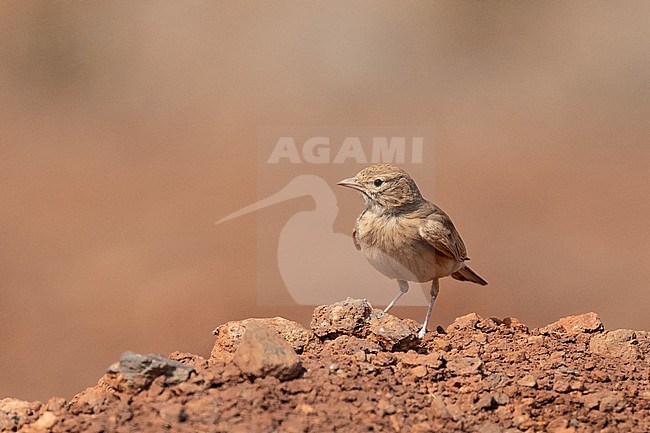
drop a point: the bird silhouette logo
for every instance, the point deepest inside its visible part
(318, 265)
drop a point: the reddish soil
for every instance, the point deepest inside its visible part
(358, 369)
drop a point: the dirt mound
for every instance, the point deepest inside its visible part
(359, 369)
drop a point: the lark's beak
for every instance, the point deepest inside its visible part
(351, 183)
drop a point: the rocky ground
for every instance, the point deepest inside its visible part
(358, 369)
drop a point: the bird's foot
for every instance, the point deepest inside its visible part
(422, 332)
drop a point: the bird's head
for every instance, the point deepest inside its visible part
(385, 186)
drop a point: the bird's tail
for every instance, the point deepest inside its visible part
(467, 274)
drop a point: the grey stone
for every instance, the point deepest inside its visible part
(141, 370)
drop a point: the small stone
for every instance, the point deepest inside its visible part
(348, 317)
(489, 427)
(55, 403)
(173, 413)
(140, 370)
(421, 427)
(195, 361)
(392, 333)
(465, 366)
(621, 343)
(466, 322)
(501, 398)
(411, 358)
(46, 421)
(561, 386)
(91, 401)
(442, 344)
(438, 407)
(297, 386)
(455, 412)
(609, 401)
(394, 423)
(528, 380)
(306, 409)
(263, 352)
(589, 322)
(577, 385)
(517, 356)
(497, 380)
(419, 372)
(516, 324)
(229, 335)
(384, 407)
(485, 401)
(487, 325)
(384, 358)
(591, 401)
(557, 425)
(434, 360)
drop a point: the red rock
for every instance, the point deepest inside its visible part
(561, 385)
(422, 427)
(173, 413)
(465, 366)
(514, 323)
(229, 335)
(501, 398)
(348, 317)
(467, 322)
(91, 401)
(442, 344)
(591, 401)
(434, 360)
(384, 358)
(588, 322)
(455, 412)
(610, 401)
(384, 407)
(46, 421)
(438, 407)
(392, 333)
(419, 372)
(620, 343)
(55, 403)
(411, 358)
(489, 427)
(560, 425)
(485, 401)
(263, 352)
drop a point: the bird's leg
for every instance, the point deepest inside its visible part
(403, 288)
(435, 288)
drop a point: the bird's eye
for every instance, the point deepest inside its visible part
(378, 182)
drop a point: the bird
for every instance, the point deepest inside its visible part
(406, 237)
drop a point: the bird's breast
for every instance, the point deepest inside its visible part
(393, 245)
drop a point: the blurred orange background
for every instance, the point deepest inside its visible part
(128, 128)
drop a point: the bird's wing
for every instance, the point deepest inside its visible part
(354, 239)
(438, 230)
